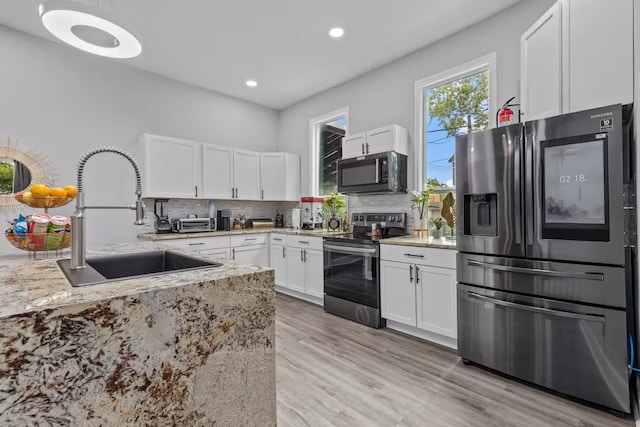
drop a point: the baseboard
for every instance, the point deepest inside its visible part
(422, 334)
(299, 295)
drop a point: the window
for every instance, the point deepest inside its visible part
(326, 148)
(455, 102)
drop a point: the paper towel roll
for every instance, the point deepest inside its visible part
(295, 218)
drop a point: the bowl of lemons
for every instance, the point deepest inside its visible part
(41, 196)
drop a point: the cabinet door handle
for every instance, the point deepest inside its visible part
(362, 148)
(417, 275)
(301, 256)
(284, 252)
(305, 255)
(411, 274)
(232, 190)
(367, 145)
(262, 194)
(196, 191)
(236, 192)
(233, 254)
(196, 244)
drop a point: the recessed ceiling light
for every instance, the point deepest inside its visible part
(336, 32)
(252, 83)
(88, 29)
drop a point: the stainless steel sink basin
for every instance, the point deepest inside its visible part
(125, 266)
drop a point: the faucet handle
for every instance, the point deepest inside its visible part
(141, 212)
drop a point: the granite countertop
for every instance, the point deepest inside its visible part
(29, 285)
(299, 232)
(429, 242)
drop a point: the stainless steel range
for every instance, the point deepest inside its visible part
(352, 268)
(546, 241)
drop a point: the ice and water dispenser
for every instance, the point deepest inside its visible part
(481, 212)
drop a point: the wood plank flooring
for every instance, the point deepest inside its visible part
(334, 372)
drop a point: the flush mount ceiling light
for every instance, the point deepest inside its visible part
(89, 29)
(251, 83)
(336, 32)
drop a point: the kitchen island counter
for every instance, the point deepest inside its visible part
(194, 347)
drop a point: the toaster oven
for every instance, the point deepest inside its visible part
(193, 225)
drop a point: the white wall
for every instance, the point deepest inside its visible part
(386, 95)
(64, 102)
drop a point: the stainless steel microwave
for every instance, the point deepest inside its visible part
(375, 173)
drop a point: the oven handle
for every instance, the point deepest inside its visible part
(541, 310)
(350, 250)
(538, 271)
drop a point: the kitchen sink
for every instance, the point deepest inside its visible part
(125, 266)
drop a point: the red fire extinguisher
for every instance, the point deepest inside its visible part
(505, 115)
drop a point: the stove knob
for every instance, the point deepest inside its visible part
(361, 217)
(355, 217)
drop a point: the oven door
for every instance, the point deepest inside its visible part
(574, 186)
(351, 272)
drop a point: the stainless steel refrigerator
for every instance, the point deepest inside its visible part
(546, 238)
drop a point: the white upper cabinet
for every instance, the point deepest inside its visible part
(246, 172)
(541, 66)
(279, 176)
(217, 172)
(354, 145)
(600, 56)
(578, 55)
(171, 167)
(388, 138)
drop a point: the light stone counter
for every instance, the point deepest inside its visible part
(299, 232)
(187, 348)
(429, 242)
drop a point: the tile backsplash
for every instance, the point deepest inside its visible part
(180, 208)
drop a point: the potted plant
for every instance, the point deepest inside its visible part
(438, 223)
(421, 205)
(334, 207)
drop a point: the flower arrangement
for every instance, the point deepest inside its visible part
(334, 204)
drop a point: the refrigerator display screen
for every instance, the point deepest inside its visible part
(575, 183)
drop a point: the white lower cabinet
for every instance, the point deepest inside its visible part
(398, 292)
(418, 298)
(278, 261)
(251, 254)
(298, 264)
(223, 253)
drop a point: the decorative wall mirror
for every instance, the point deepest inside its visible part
(19, 169)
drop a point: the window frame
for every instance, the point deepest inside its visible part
(315, 126)
(484, 63)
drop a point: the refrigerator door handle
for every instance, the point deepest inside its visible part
(538, 271)
(516, 187)
(541, 310)
(528, 189)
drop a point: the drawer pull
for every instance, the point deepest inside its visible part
(414, 255)
(196, 244)
(275, 238)
(252, 238)
(541, 310)
(303, 241)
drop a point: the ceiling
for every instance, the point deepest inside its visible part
(282, 44)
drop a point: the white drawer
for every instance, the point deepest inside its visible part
(305, 242)
(278, 239)
(198, 243)
(248, 239)
(444, 258)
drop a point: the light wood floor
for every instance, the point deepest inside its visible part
(333, 372)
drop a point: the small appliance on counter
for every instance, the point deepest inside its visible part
(224, 220)
(259, 223)
(193, 225)
(312, 212)
(295, 218)
(162, 224)
(279, 219)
